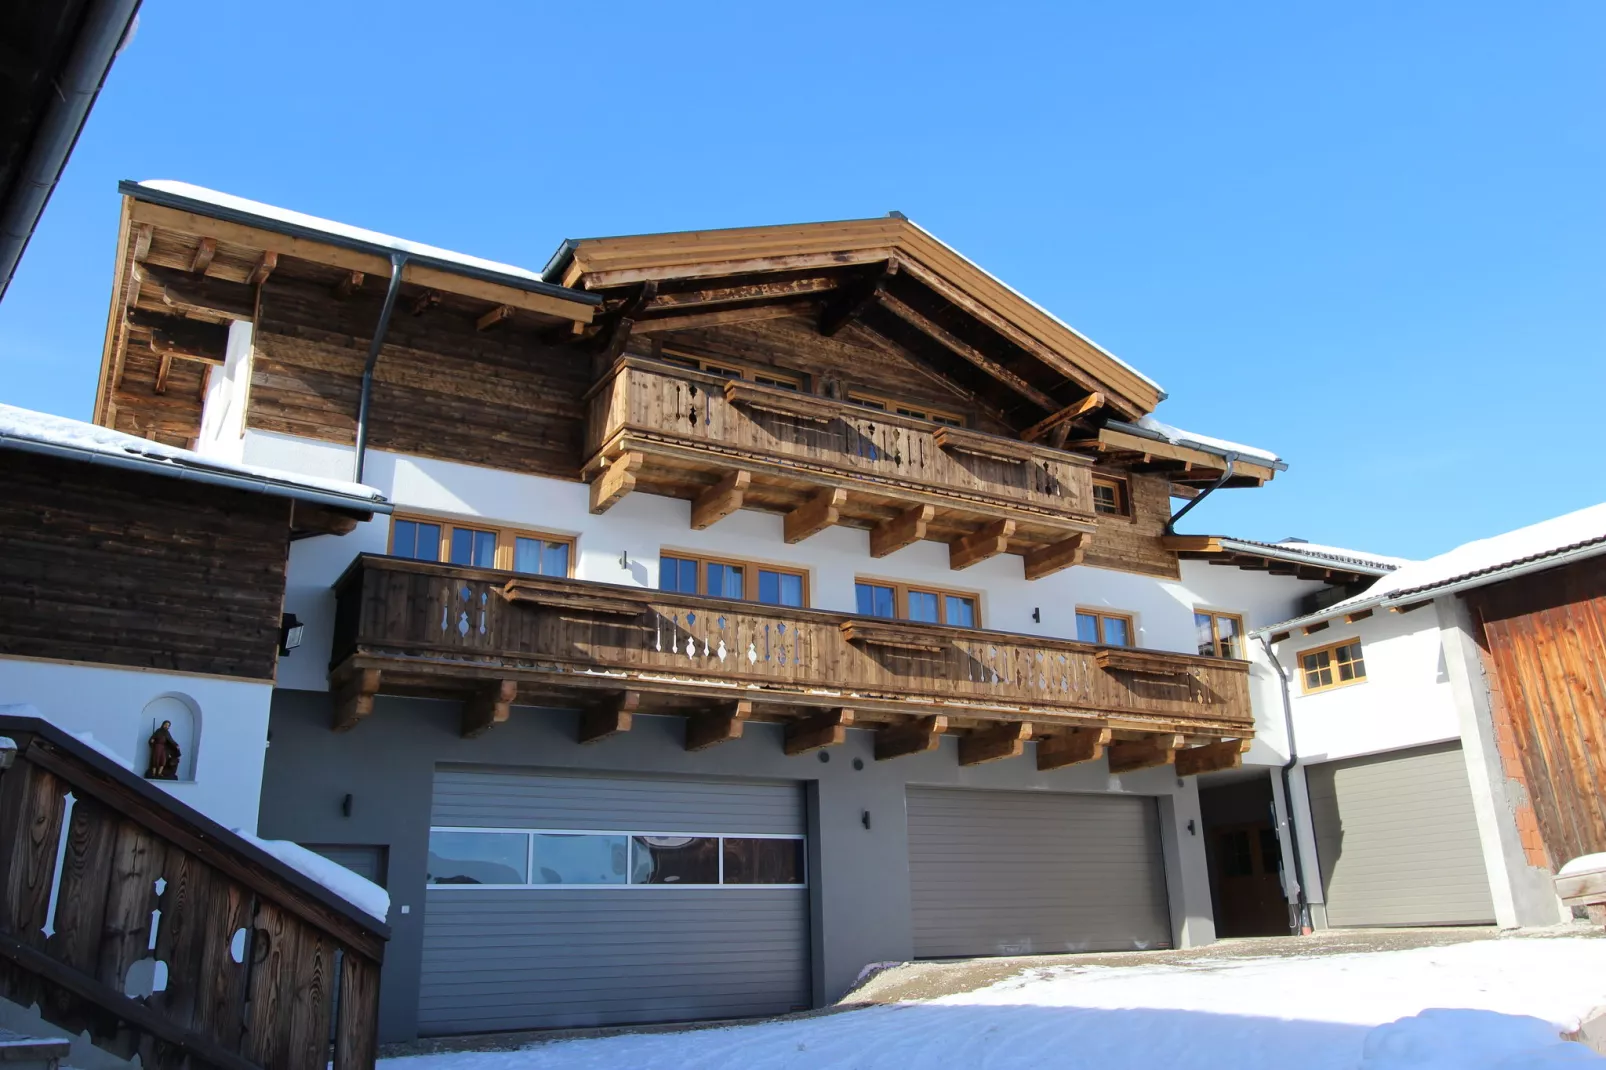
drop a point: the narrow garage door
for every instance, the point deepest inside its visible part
(584, 900)
(1397, 840)
(1017, 873)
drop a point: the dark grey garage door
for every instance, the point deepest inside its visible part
(1017, 873)
(559, 901)
(1397, 840)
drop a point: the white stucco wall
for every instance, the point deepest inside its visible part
(227, 391)
(622, 546)
(110, 703)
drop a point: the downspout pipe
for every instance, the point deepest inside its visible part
(1232, 462)
(397, 262)
(1299, 923)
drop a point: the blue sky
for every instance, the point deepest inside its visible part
(1370, 236)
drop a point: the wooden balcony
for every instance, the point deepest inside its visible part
(132, 918)
(731, 444)
(497, 638)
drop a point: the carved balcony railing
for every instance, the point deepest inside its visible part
(729, 444)
(410, 627)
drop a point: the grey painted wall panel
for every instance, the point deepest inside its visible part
(1397, 840)
(1017, 873)
(365, 860)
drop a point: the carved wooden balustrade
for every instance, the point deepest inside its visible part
(411, 627)
(129, 915)
(730, 444)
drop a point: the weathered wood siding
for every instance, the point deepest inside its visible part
(1132, 544)
(1544, 644)
(109, 566)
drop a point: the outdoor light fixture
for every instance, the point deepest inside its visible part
(290, 632)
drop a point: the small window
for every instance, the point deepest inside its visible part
(416, 539)
(479, 546)
(1332, 666)
(675, 860)
(766, 861)
(470, 546)
(1221, 635)
(543, 557)
(686, 574)
(478, 857)
(1110, 629)
(579, 859)
(1111, 496)
(917, 412)
(902, 602)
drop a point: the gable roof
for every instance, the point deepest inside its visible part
(1312, 561)
(892, 264)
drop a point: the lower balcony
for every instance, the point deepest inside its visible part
(495, 639)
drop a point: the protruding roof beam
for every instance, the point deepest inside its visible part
(488, 707)
(905, 529)
(615, 481)
(1071, 748)
(990, 541)
(609, 718)
(854, 298)
(717, 725)
(969, 352)
(821, 511)
(994, 743)
(720, 500)
(1129, 756)
(915, 736)
(814, 733)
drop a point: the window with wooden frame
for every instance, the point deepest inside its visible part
(1102, 626)
(763, 376)
(929, 605)
(686, 573)
(901, 408)
(1338, 665)
(1221, 635)
(1112, 496)
(481, 545)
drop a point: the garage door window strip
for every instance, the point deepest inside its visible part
(465, 857)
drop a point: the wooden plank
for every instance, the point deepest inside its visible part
(693, 320)
(86, 870)
(1055, 557)
(178, 291)
(264, 267)
(355, 699)
(991, 447)
(607, 279)
(717, 725)
(142, 242)
(617, 480)
(994, 743)
(1212, 757)
(488, 708)
(891, 635)
(915, 736)
(990, 541)
(1061, 421)
(205, 250)
(496, 315)
(350, 282)
(163, 371)
(357, 1027)
(600, 722)
(906, 529)
(757, 291)
(822, 730)
(1201, 544)
(1072, 747)
(821, 511)
(720, 500)
(1129, 756)
(969, 352)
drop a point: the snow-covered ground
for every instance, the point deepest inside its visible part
(1505, 1004)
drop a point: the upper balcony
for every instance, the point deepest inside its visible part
(732, 444)
(496, 638)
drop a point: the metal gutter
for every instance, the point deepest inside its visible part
(77, 84)
(209, 476)
(181, 203)
(1300, 923)
(1226, 474)
(1193, 444)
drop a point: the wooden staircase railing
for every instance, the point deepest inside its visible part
(128, 914)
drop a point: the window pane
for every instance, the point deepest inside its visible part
(555, 559)
(923, 606)
(580, 859)
(1117, 632)
(717, 369)
(477, 857)
(674, 860)
(725, 581)
(949, 420)
(526, 554)
(677, 574)
(1231, 641)
(769, 587)
(874, 600)
(961, 611)
(1087, 627)
(791, 589)
(767, 380)
(763, 861)
(471, 547)
(1104, 499)
(869, 403)
(421, 542)
(1202, 623)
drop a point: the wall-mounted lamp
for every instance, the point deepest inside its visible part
(1191, 831)
(864, 819)
(290, 632)
(345, 805)
(1037, 614)
(624, 559)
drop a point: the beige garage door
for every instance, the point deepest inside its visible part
(1397, 840)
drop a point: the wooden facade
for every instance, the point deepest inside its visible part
(1543, 640)
(127, 915)
(495, 639)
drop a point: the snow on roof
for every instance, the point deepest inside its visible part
(26, 426)
(359, 891)
(1178, 437)
(329, 226)
(1319, 551)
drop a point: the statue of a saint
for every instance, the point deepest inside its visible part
(164, 754)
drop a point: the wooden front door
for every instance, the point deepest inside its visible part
(1249, 892)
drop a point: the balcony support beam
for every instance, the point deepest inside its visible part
(1212, 757)
(821, 511)
(994, 743)
(990, 541)
(1128, 756)
(724, 722)
(354, 698)
(814, 733)
(915, 736)
(720, 500)
(617, 480)
(905, 529)
(1072, 748)
(1056, 557)
(609, 719)
(488, 707)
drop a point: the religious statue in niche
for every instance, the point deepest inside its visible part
(165, 754)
